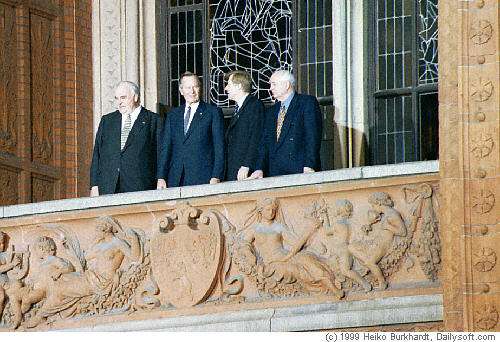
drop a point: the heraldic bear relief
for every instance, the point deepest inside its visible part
(192, 257)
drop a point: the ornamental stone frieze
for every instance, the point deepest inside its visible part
(263, 249)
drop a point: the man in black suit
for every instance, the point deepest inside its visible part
(126, 146)
(292, 131)
(192, 147)
(245, 128)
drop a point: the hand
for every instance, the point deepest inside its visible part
(308, 169)
(256, 174)
(214, 180)
(161, 184)
(94, 191)
(242, 173)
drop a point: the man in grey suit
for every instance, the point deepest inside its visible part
(126, 146)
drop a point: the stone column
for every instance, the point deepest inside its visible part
(124, 48)
(349, 72)
(469, 162)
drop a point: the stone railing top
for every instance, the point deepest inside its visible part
(325, 177)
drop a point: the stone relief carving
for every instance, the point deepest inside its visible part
(13, 268)
(481, 31)
(486, 316)
(278, 269)
(198, 257)
(104, 278)
(186, 255)
(483, 201)
(339, 241)
(485, 260)
(481, 90)
(482, 146)
(424, 228)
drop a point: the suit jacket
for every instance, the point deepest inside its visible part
(300, 139)
(243, 137)
(135, 165)
(197, 156)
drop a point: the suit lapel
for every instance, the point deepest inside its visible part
(116, 128)
(290, 114)
(196, 119)
(139, 124)
(235, 118)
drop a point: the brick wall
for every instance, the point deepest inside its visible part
(46, 52)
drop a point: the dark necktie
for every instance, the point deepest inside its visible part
(186, 119)
(281, 118)
(235, 110)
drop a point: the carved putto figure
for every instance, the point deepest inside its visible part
(384, 224)
(338, 238)
(261, 243)
(13, 267)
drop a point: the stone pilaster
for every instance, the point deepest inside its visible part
(469, 162)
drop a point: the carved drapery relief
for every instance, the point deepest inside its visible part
(42, 89)
(191, 256)
(8, 184)
(8, 84)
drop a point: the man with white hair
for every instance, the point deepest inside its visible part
(292, 131)
(126, 146)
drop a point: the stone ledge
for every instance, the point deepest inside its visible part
(341, 175)
(362, 313)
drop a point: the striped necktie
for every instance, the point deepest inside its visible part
(186, 119)
(235, 110)
(126, 130)
(281, 118)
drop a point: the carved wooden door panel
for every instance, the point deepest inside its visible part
(31, 116)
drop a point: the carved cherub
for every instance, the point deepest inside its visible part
(338, 236)
(385, 224)
(50, 268)
(8, 261)
(261, 242)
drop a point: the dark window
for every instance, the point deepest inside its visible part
(404, 102)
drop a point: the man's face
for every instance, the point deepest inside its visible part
(278, 87)
(190, 89)
(125, 99)
(232, 89)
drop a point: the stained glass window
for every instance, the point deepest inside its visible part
(254, 36)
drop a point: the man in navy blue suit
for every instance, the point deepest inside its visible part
(292, 131)
(192, 147)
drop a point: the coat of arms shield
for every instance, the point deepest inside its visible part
(186, 255)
